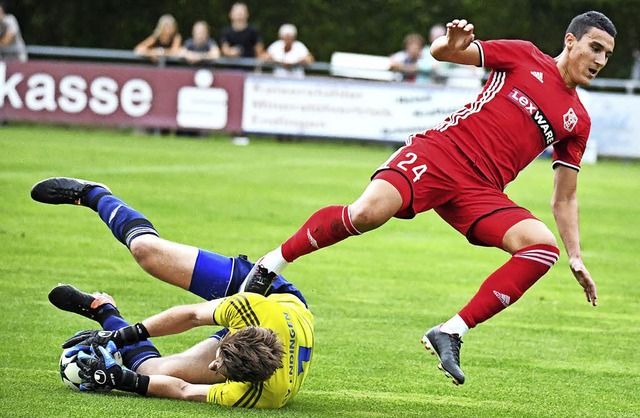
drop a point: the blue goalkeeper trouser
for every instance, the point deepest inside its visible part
(214, 276)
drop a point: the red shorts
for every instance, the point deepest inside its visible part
(433, 173)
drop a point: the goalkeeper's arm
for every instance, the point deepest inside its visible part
(100, 372)
(181, 318)
(172, 321)
(161, 386)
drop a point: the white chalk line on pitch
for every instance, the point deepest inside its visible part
(410, 398)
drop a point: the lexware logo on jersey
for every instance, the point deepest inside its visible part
(529, 106)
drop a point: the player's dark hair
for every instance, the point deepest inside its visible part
(251, 355)
(581, 24)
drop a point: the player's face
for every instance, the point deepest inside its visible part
(588, 55)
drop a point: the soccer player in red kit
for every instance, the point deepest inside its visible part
(461, 167)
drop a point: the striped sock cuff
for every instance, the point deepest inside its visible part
(134, 233)
(346, 221)
(135, 228)
(542, 253)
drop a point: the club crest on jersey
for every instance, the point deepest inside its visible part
(570, 120)
(536, 114)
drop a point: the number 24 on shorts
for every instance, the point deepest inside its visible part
(406, 164)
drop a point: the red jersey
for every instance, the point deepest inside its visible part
(523, 108)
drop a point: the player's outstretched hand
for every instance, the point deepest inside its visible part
(459, 34)
(99, 371)
(583, 277)
(128, 335)
(82, 340)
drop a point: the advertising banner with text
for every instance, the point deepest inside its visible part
(121, 95)
(325, 107)
(127, 95)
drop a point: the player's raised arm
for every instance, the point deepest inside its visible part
(456, 46)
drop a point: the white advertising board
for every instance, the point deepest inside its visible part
(615, 124)
(325, 107)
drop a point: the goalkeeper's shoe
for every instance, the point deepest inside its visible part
(447, 348)
(259, 280)
(64, 190)
(68, 298)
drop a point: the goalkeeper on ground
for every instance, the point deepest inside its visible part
(258, 360)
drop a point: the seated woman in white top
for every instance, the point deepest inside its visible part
(289, 54)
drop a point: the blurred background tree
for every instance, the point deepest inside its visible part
(371, 26)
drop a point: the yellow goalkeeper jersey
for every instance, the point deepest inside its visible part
(286, 315)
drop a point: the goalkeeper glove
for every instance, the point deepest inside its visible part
(100, 373)
(124, 336)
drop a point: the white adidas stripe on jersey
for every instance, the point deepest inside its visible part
(538, 75)
(496, 84)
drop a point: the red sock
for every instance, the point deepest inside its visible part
(327, 226)
(505, 286)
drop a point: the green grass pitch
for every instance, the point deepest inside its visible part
(549, 355)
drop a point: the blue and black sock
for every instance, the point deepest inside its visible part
(125, 222)
(104, 312)
(132, 355)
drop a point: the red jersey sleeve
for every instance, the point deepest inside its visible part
(569, 152)
(504, 54)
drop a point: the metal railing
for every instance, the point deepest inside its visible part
(249, 64)
(130, 56)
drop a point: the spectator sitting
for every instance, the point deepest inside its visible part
(429, 68)
(200, 47)
(240, 39)
(289, 54)
(165, 41)
(11, 43)
(406, 61)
